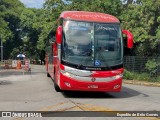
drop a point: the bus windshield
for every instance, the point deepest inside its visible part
(92, 44)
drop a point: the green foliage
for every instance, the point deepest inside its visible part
(5, 32)
(106, 6)
(151, 65)
(136, 76)
(10, 11)
(141, 76)
(142, 19)
(128, 75)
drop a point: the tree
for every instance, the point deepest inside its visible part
(106, 6)
(5, 32)
(10, 19)
(142, 18)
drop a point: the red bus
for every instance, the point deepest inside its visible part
(86, 52)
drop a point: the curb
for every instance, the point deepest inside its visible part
(143, 83)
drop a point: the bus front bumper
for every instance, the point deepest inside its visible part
(90, 84)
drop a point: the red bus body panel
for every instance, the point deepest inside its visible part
(88, 16)
(79, 85)
(84, 86)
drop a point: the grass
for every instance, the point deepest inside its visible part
(140, 76)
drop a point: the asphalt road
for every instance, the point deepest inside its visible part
(20, 91)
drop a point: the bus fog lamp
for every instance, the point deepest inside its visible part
(67, 84)
(116, 86)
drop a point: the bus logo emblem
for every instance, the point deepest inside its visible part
(93, 79)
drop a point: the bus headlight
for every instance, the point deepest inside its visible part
(65, 73)
(118, 76)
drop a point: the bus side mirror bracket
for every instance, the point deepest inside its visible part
(59, 34)
(129, 38)
(52, 40)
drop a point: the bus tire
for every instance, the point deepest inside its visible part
(48, 75)
(57, 88)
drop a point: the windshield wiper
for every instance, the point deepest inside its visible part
(68, 63)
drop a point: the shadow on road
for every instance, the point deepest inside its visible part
(5, 82)
(125, 93)
(78, 94)
(8, 73)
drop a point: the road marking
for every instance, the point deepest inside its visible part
(53, 106)
(77, 106)
(18, 118)
(86, 107)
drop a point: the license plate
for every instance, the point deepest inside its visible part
(93, 86)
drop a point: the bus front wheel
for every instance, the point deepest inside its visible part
(56, 86)
(48, 75)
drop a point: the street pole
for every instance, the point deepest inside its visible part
(1, 49)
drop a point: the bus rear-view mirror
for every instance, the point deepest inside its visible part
(59, 35)
(129, 38)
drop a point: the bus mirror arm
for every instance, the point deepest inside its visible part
(52, 40)
(129, 38)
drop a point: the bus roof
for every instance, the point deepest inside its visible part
(89, 16)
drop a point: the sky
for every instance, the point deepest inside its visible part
(33, 3)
